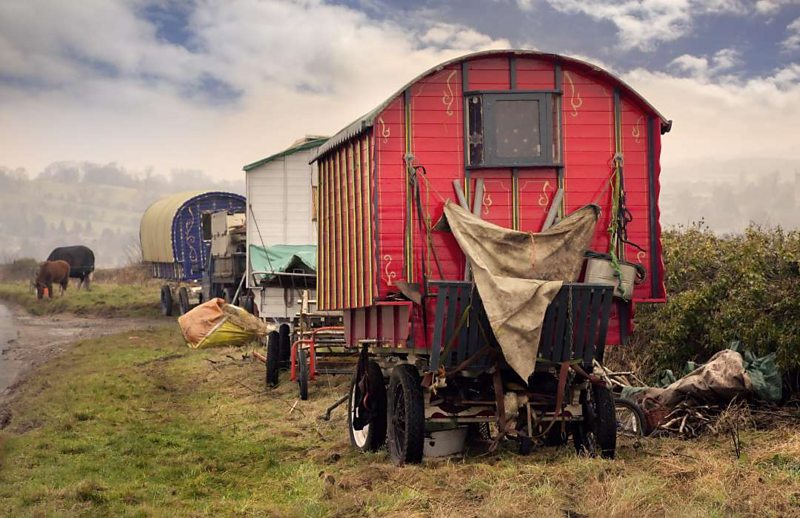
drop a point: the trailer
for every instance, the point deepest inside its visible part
(440, 216)
(176, 238)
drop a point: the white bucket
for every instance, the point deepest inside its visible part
(445, 442)
(601, 271)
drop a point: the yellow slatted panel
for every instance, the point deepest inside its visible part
(359, 215)
(370, 248)
(337, 244)
(320, 208)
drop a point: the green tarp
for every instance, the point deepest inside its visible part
(282, 258)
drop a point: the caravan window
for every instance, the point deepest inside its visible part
(511, 129)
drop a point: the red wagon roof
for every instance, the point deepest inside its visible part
(366, 121)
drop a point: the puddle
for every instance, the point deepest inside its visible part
(9, 368)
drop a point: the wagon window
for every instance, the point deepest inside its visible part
(511, 129)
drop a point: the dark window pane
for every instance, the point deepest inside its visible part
(517, 129)
(475, 110)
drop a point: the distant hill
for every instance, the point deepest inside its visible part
(85, 203)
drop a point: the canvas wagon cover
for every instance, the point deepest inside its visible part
(283, 258)
(155, 231)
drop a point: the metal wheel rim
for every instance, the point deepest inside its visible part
(359, 436)
(628, 422)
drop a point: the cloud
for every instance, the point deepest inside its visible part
(701, 67)
(643, 24)
(792, 42)
(770, 7)
(100, 80)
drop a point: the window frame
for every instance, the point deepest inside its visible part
(489, 120)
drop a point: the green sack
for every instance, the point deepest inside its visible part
(763, 371)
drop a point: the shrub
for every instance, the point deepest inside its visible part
(722, 288)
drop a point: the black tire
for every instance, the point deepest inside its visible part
(631, 421)
(405, 414)
(285, 344)
(166, 301)
(183, 301)
(597, 433)
(373, 435)
(302, 373)
(554, 436)
(273, 353)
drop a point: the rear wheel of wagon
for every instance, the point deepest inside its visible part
(302, 372)
(370, 407)
(273, 352)
(405, 415)
(597, 433)
(285, 342)
(183, 300)
(166, 301)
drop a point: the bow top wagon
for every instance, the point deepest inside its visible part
(519, 139)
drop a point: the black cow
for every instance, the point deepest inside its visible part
(80, 259)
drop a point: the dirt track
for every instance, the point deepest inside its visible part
(27, 341)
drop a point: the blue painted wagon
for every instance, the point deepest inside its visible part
(176, 240)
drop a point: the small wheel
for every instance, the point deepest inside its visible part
(183, 300)
(370, 407)
(630, 418)
(248, 303)
(272, 359)
(227, 294)
(405, 414)
(285, 344)
(302, 373)
(597, 433)
(166, 301)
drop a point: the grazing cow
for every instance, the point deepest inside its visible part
(80, 259)
(52, 272)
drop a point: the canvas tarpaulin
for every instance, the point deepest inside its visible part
(282, 258)
(215, 323)
(518, 274)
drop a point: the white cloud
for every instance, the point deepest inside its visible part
(770, 7)
(93, 80)
(702, 67)
(792, 42)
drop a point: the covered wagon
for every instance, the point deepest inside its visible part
(457, 222)
(176, 236)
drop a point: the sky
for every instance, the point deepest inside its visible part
(211, 85)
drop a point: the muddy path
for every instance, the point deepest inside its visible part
(27, 341)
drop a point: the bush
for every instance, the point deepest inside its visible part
(19, 269)
(722, 288)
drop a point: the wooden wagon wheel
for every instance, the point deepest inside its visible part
(406, 415)
(166, 301)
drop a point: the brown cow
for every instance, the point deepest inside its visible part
(50, 272)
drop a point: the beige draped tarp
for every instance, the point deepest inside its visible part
(518, 274)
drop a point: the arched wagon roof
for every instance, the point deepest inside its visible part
(361, 124)
(156, 227)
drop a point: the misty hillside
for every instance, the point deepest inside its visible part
(84, 203)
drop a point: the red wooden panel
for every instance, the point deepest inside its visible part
(497, 203)
(536, 191)
(488, 74)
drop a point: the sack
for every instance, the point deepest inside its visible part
(215, 323)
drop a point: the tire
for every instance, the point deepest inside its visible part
(405, 414)
(597, 433)
(227, 294)
(285, 344)
(631, 421)
(166, 301)
(373, 435)
(248, 303)
(302, 373)
(554, 436)
(183, 301)
(272, 359)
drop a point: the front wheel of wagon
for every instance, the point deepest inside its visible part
(166, 301)
(372, 434)
(405, 415)
(183, 300)
(597, 433)
(273, 353)
(302, 373)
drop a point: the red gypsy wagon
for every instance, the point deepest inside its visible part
(485, 231)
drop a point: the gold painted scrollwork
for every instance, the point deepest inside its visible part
(636, 132)
(386, 132)
(544, 197)
(448, 97)
(575, 100)
(390, 274)
(486, 202)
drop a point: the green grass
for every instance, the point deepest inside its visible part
(139, 425)
(105, 299)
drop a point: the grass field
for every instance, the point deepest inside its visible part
(105, 299)
(138, 425)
